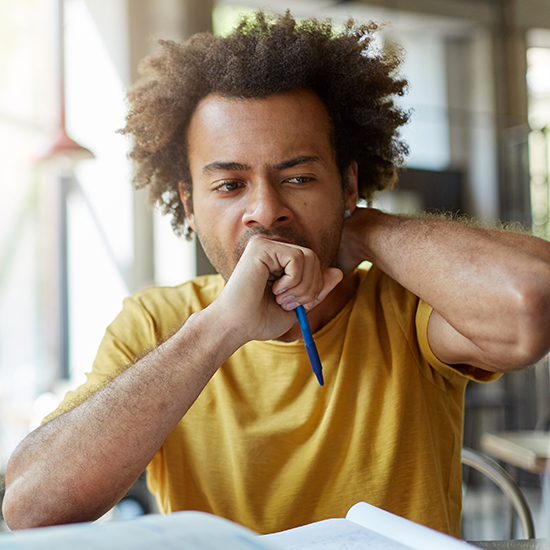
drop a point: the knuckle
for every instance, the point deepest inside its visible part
(310, 296)
(253, 244)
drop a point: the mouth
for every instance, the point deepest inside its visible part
(284, 234)
(276, 238)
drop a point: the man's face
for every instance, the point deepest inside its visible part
(265, 166)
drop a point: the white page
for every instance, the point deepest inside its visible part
(333, 534)
(180, 530)
(403, 530)
(365, 527)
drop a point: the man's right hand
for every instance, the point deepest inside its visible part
(270, 280)
(78, 465)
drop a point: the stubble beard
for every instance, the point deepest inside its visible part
(224, 261)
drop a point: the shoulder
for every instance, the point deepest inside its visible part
(376, 287)
(153, 313)
(191, 296)
(404, 309)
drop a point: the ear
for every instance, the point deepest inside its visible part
(351, 193)
(187, 205)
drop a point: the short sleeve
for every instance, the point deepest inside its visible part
(147, 318)
(130, 336)
(423, 314)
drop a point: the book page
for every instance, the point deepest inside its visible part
(333, 534)
(403, 530)
(189, 530)
(365, 527)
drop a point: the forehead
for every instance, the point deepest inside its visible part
(264, 130)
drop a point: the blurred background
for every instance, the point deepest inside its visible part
(75, 239)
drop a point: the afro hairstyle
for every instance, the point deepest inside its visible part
(265, 55)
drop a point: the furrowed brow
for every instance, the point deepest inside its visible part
(225, 166)
(291, 163)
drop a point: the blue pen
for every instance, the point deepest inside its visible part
(310, 344)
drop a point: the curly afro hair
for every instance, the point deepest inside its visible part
(261, 57)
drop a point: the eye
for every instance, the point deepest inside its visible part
(299, 179)
(227, 186)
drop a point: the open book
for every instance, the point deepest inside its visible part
(365, 527)
(177, 531)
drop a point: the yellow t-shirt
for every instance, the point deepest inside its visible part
(264, 445)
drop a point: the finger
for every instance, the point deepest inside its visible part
(331, 277)
(293, 261)
(302, 275)
(302, 278)
(303, 287)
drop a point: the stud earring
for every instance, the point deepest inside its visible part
(347, 213)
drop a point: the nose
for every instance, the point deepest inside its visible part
(265, 207)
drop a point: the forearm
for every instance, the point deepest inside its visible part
(451, 265)
(491, 287)
(78, 466)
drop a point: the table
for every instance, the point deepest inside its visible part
(526, 449)
(531, 544)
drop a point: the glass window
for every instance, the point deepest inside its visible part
(26, 100)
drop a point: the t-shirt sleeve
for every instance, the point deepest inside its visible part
(129, 337)
(423, 313)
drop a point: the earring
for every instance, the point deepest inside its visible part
(347, 213)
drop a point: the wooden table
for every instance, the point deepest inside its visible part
(532, 544)
(529, 450)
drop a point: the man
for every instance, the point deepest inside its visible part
(262, 143)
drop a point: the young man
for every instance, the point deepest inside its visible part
(262, 143)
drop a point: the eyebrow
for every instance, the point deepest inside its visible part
(239, 167)
(297, 161)
(227, 166)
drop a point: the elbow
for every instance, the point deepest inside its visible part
(533, 322)
(10, 515)
(11, 503)
(28, 503)
(25, 508)
(20, 509)
(18, 516)
(21, 503)
(14, 514)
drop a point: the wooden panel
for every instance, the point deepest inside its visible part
(528, 450)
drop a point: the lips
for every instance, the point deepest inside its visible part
(277, 239)
(283, 234)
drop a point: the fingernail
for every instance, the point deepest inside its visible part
(290, 306)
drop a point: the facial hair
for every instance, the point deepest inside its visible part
(224, 261)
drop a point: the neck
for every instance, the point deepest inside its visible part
(321, 315)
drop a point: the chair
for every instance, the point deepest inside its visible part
(506, 483)
(528, 450)
(525, 449)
